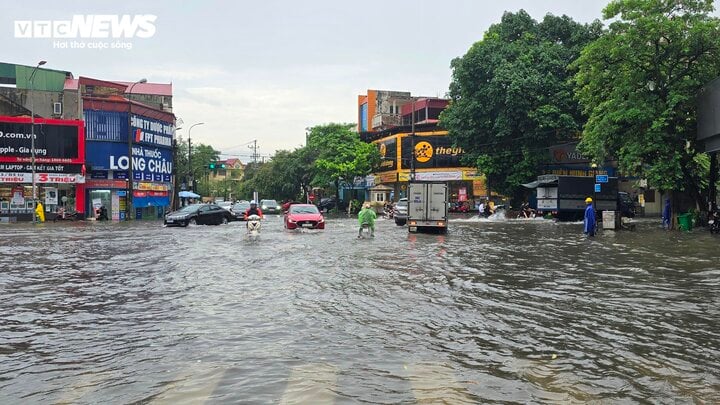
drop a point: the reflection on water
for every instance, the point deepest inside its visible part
(496, 310)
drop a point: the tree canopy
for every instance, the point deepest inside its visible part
(340, 155)
(638, 85)
(511, 96)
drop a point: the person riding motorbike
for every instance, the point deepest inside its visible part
(367, 216)
(253, 210)
(527, 211)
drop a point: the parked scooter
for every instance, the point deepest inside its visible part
(65, 215)
(253, 227)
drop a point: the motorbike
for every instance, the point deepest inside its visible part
(714, 222)
(64, 215)
(253, 227)
(365, 231)
(527, 213)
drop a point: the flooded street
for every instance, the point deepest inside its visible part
(519, 311)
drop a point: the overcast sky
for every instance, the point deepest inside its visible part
(268, 69)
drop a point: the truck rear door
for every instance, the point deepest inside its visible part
(417, 201)
(437, 202)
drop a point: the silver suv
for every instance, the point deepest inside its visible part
(400, 212)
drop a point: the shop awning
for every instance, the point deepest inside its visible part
(188, 194)
(151, 201)
(542, 181)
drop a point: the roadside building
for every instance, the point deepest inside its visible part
(385, 119)
(709, 131)
(59, 143)
(116, 124)
(59, 166)
(566, 160)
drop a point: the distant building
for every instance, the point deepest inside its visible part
(380, 109)
(385, 119)
(234, 170)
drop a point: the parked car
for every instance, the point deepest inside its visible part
(400, 212)
(304, 216)
(270, 207)
(198, 214)
(238, 210)
(326, 204)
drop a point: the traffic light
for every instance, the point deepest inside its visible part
(222, 165)
(211, 166)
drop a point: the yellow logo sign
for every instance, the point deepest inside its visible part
(383, 150)
(423, 151)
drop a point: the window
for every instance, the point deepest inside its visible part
(649, 196)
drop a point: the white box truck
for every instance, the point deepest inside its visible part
(427, 207)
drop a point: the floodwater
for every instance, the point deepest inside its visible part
(524, 311)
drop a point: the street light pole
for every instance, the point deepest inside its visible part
(191, 178)
(128, 200)
(412, 138)
(32, 138)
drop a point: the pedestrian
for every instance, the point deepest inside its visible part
(589, 222)
(367, 216)
(103, 214)
(666, 214)
(40, 212)
(481, 209)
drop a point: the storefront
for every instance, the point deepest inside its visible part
(59, 166)
(107, 157)
(435, 159)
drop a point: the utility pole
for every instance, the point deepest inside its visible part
(254, 147)
(129, 206)
(32, 138)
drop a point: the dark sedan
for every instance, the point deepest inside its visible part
(198, 214)
(238, 210)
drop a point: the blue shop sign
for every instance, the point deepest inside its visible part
(113, 126)
(147, 161)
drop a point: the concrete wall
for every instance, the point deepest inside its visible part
(17, 102)
(160, 102)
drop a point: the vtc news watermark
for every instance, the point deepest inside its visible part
(97, 31)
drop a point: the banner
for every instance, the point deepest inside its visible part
(61, 178)
(41, 167)
(56, 141)
(438, 176)
(152, 164)
(436, 151)
(388, 154)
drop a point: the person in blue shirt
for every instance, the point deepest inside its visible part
(590, 223)
(666, 214)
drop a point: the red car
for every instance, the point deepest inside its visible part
(304, 216)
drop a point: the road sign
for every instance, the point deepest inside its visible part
(597, 188)
(601, 178)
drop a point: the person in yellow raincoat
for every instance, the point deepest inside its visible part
(40, 211)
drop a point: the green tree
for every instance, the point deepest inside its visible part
(511, 96)
(638, 85)
(339, 155)
(202, 156)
